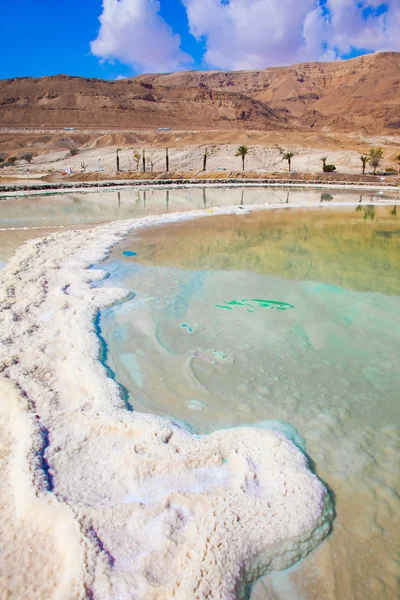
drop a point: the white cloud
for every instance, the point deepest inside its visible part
(244, 34)
(133, 32)
(349, 28)
(249, 33)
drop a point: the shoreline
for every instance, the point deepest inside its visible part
(15, 191)
(89, 458)
(213, 211)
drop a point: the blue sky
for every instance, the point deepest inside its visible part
(45, 37)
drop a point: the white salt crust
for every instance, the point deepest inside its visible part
(100, 502)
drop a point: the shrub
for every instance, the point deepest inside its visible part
(12, 160)
(375, 157)
(327, 168)
(28, 156)
(73, 151)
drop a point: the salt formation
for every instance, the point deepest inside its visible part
(102, 502)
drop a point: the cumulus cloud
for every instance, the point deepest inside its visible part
(133, 32)
(363, 25)
(244, 34)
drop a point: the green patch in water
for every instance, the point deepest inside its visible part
(254, 304)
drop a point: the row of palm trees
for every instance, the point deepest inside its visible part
(374, 157)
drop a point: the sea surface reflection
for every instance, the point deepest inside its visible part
(282, 316)
(26, 217)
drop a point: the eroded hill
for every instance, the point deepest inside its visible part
(360, 95)
(351, 95)
(64, 101)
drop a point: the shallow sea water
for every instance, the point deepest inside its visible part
(287, 318)
(26, 217)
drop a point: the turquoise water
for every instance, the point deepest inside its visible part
(279, 317)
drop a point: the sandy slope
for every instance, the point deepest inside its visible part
(97, 151)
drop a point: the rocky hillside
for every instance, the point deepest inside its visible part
(358, 94)
(361, 95)
(64, 101)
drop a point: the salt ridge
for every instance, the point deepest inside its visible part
(108, 503)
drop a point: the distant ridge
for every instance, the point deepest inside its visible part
(360, 95)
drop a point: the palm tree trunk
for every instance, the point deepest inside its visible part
(290, 164)
(243, 161)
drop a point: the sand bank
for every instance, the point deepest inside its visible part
(100, 501)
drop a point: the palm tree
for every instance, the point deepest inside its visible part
(136, 157)
(118, 150)
(364, 159)
(205, 156)
(398, 160)
(287, 155)
(242, 151)
(144, 161)
(166, 160)
(375, 157)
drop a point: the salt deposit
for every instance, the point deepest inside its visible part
(101, 502)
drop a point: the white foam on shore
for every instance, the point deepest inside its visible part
(107, 503)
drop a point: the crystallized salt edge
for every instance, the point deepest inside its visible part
(263, 510)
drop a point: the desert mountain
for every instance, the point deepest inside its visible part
(63, 101)
(362, 94)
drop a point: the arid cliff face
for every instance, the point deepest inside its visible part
(360, 95)
(77, 102)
